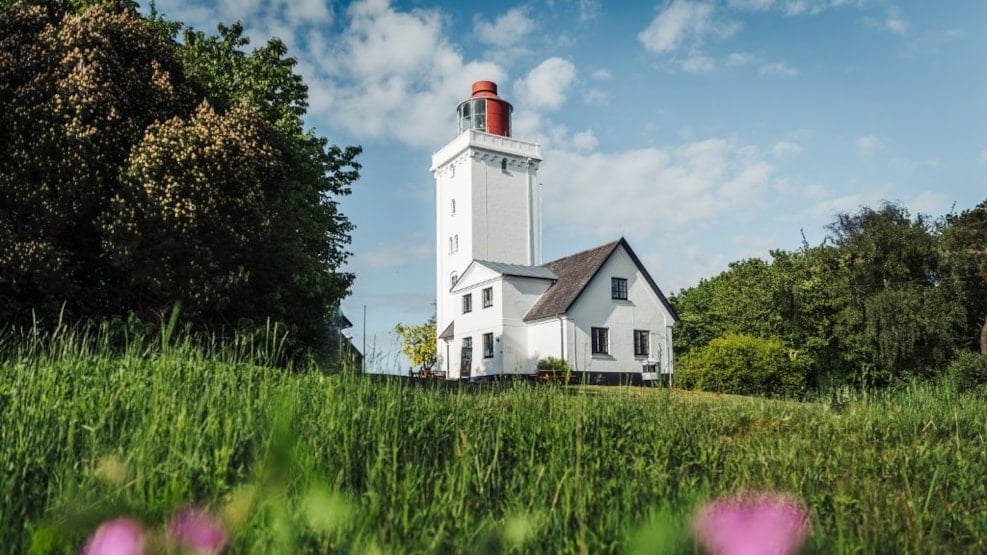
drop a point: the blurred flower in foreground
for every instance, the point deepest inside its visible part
(120, 536)
(197, 531)
(752, 524)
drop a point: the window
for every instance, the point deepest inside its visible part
(467, 303)
(453, 278)
(453, 207)
(450, 246)
(488, 297)
(488, 345)
(641, 343)
(618, 288)
(601, 344)
(503, 164)
(467, 352)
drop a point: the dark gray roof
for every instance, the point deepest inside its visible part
(574, 274)
(540, 272)
(449, 331)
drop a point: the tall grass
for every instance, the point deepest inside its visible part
(309, 462)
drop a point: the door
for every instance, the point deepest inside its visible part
(466, 359)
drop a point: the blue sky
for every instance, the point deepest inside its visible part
(703, 131)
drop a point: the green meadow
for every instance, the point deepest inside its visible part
(302, 461)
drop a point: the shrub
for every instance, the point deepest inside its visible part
(555, 364)
(745, 365)
(968, 371)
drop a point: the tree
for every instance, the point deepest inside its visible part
(964, 237)
(419, 343)
(137, 172)
(900, 316)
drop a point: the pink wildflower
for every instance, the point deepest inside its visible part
(752, 524)
(197, 531)
(120, 536)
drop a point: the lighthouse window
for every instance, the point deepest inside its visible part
(473, 115)
(453, 207)
(455, 243)
(453, 278)
(503, 164)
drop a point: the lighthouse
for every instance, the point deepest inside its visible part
(487, 196)
(499, 309)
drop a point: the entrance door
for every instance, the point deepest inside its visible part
(466, 359)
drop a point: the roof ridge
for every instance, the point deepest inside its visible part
(598, 247)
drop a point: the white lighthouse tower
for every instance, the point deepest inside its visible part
(487, 203)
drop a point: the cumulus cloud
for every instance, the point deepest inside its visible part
(683, 23)
(652, 189)
(509, 29)
(584, 140)
(547, 85)
(393, 75)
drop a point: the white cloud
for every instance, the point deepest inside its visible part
(983, 156)
(392, 75)
(869, 144)
(738, 59)
(928, 202)
(698, 63)
(507, 30)
(588, 9)
(683, 22)
(651, 189)
(793, 7)
(546, 86)
(894, 22)
(785, 148)
(601, 75)
(778, 68)
(584, 140)
(849, 203)
(596, 96)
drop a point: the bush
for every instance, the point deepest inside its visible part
(554, 364)
(968, 371)
(744, 365)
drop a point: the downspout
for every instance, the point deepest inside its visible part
(532, 256)
(561, 335)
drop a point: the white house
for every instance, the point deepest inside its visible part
(499, 309)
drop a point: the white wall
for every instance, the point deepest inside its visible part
(496, 217)
(642, 310)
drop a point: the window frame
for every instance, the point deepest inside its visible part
(618, 287)
(488, 345)
(600, 341)
(487, 297)
(468, 303)
(642, 338)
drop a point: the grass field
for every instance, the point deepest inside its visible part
(305, 462)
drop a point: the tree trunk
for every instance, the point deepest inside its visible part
(983, 338)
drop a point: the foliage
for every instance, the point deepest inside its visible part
(884, 299)
(419, 343)
(137, 172)
(554, 364)
(745, 365)
(302, 463)
(968, 371)
(965, 246)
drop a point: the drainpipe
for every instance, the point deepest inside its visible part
(561, 335)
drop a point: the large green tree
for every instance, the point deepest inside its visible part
(965, 245)
(138, 170)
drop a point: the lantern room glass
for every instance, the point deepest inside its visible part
(473, 114)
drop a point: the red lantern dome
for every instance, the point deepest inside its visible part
(485, 111)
